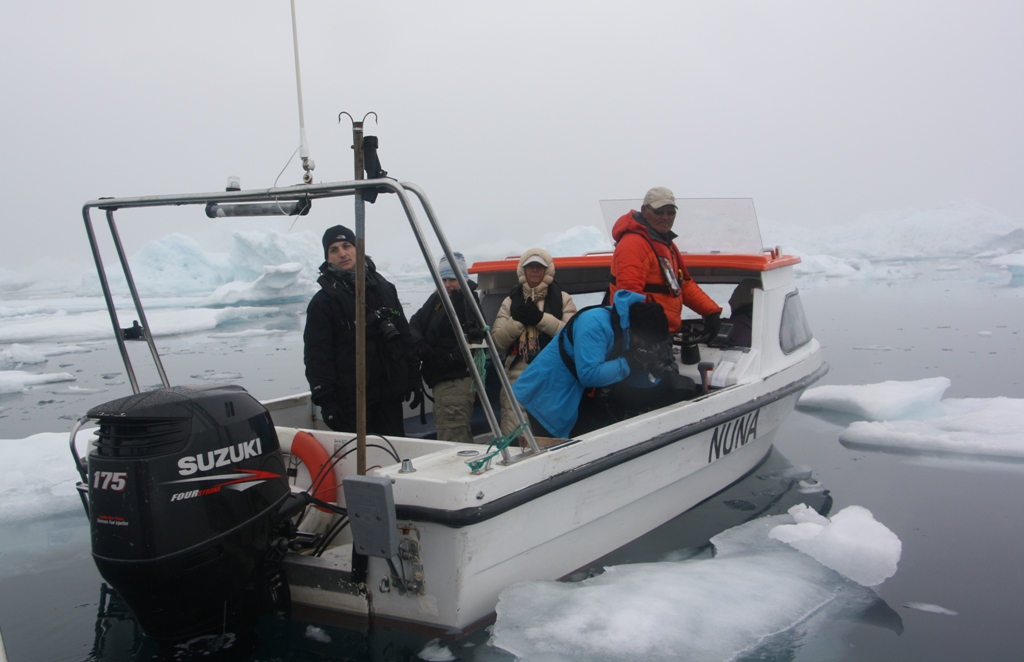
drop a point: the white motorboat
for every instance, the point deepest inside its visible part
(187, 488)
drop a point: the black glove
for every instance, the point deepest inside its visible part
(527, 314)
(414, 397)
(474, 334)
(712, 323)
(332, 417)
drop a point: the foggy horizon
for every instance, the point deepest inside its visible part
(515, 120)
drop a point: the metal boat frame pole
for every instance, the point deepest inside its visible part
(307, 192)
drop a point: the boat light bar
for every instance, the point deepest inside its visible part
(295, 208)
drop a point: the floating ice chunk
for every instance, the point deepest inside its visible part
(984, 333)
(15, 381)
(808, 525)
(973, 426)
(77, 390)
(754, 590)
(248, 333)
(856, 268)
(1012, 260)
(810, 486)
(11, 281)
(275, 284)
(829, 266)
(61, 350)
(37, 477)
(935, 609)
(1014, 263)
(577, 241)
(218, 376)
(853, 543)
(17, 355)
(317, 634)
(913, 233)
(879, 402)
(96, 325)
(435, 652)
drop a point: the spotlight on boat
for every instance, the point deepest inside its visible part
(298, 207)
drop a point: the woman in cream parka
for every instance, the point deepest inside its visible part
(530, 316)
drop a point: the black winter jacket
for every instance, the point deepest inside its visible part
(434, 337)
(330, 341)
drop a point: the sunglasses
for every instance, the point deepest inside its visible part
(667, 210)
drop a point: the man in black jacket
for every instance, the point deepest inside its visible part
(329, 353)
(444, 369)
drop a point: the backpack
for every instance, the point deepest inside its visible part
(618, 345)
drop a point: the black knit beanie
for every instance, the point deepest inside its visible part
(337, 233)
(647, 320)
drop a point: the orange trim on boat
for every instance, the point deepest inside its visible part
(765, 262)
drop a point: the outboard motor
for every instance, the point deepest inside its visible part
(185, 485)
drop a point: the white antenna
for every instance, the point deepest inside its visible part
(307, 163)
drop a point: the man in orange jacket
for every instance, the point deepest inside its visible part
(647, 261)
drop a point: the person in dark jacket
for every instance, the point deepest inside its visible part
(443, 367)
(329, 352)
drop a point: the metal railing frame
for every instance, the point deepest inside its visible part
(312, 192)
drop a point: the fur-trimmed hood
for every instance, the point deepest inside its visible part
(544, 255)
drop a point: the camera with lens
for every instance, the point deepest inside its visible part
(380, 319)
(657, 360)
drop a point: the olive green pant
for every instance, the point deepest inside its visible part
(453, 409)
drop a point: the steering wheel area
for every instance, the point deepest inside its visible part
(691, 333)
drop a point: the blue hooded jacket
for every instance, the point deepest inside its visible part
(548, 390)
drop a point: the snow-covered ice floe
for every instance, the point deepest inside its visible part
(987, 427)
(880, 402)
(96, 325)
(1014, 262)
(911, 417)
(36, 479)
(756, 589)
(15, 381)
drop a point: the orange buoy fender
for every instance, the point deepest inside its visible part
(318, 463)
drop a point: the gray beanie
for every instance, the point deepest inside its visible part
(446, 269)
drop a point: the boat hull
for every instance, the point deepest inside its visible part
(582, 501)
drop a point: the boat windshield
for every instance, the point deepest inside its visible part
(704, 225)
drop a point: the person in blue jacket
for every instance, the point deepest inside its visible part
(590, 352)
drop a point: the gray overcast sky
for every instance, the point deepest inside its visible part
(514, 117)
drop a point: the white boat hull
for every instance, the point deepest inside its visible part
(477, 534)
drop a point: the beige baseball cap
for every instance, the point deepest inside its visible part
(658, 197)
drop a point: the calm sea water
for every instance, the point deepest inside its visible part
(959, 519)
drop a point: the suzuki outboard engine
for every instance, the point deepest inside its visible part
(184, 490)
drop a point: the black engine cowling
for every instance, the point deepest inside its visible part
(185, 487)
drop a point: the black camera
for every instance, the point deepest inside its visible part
(657, 360)
(380, 319)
